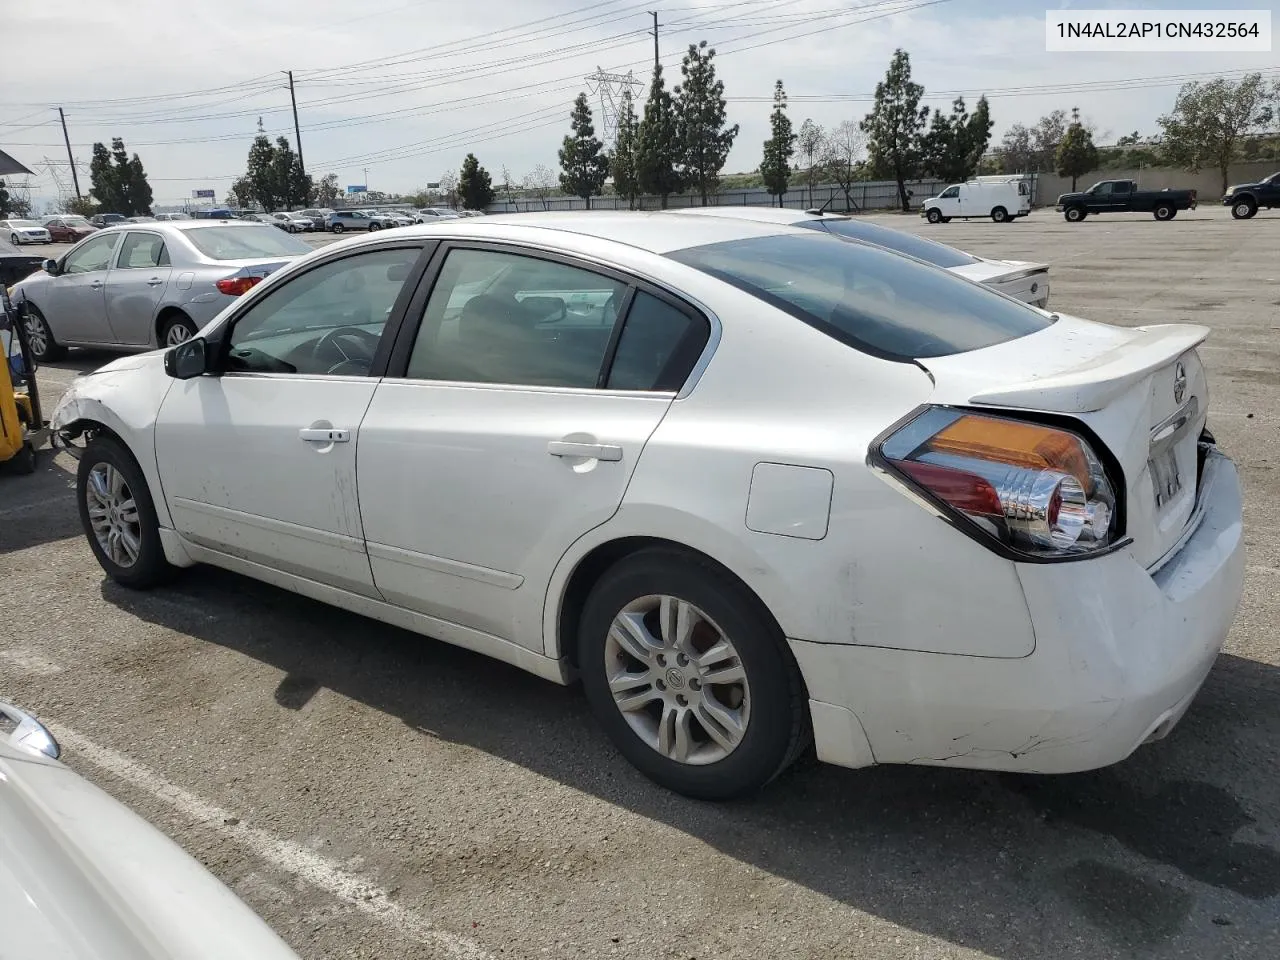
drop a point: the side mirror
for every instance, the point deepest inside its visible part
(188, 359)
(50, 267)
(25, 732)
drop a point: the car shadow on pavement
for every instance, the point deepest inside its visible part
(1137, 857)
(26, 519)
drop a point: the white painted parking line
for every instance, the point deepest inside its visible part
(348, 887)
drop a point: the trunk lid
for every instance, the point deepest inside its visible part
(1142, 391)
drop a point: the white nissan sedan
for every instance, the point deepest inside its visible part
(755, 485)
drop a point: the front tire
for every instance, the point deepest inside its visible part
(1164, 211)
(1074, 214)
(374, 226)
(40, 338)
(690, 677)
(1243, 209)
(934, 216)
(119, 517)
(338, 228)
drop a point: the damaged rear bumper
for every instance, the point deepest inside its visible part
(1120, 654)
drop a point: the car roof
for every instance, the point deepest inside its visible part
(758, 214)
(655, 232)
(184, 226)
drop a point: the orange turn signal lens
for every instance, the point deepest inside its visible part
(1019, 444)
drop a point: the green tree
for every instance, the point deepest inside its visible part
(240, 194)
(1016, 153)
(894, 124)
(704, 140)
(582, 158)
(6, 201)
(1211, 119)
(327, 191)
(775, 165)
(474, 184)
(978, 135)
(140, 195)
(104, 181)
(809, 142)
(658, 143)
(1046, 135)
(1077, 154)
(264, 181)
(944, 149)
(293, 188)
(622, 160)
(80, 206)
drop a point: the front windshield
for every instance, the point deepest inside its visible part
(245, 242)
(865, 297)
(939, 254)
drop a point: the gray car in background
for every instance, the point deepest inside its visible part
(140, 287)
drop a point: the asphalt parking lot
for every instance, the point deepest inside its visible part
(374, 794)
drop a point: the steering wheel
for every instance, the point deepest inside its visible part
(353, 363)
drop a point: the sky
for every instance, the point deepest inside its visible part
(393, 93)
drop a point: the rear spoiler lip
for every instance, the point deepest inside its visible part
(1094, 385)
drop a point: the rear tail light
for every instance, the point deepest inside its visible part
(234, 286)
(1038, 491)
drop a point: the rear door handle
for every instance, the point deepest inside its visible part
(154, 282)
(324, 434)
(97, 285)
(597, 451)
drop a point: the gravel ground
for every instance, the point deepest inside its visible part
(374, 794)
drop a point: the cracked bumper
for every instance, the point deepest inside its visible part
(1120, 654)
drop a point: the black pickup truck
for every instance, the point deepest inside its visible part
(1245, 199)
(1123, 196)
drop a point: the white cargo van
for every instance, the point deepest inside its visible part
(1002, 198)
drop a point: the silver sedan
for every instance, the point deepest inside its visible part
(140, 286)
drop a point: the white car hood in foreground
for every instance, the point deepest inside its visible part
(83, 878)
(987, 271)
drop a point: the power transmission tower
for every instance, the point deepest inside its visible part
(609, 88)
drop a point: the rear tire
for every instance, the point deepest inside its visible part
(1164, 211)
(999, 214)
(934, 216)
(15, 239)
(176, 329)
(39, 337)
(1243, 209)
(121, 505)
(1074, 214)
(765, 699)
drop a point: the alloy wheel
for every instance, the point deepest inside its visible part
(37, 336)
(113, 515)
(176, 334)
(677, 679)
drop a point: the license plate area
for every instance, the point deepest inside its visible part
(1166, 477)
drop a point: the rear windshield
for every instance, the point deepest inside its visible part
(245, 243)
(940, 255)
(866, 297)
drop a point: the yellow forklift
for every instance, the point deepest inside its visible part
(22, 424)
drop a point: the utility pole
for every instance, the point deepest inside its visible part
(654, 32)
(297, 133)
(75, 177)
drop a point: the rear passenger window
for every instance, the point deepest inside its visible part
(142, 250)
(505, 318)
(658, 347)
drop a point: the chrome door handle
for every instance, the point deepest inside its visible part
(97, 285)
(596, 451)
(154, 282)
(324, 435)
